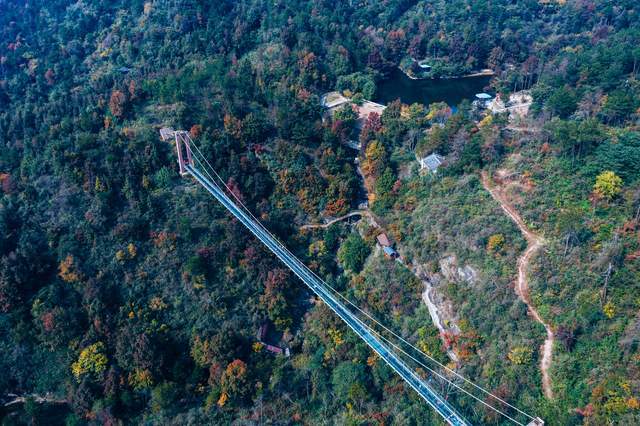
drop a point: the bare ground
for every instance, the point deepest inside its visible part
(535, 242)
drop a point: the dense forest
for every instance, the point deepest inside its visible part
(129, 296)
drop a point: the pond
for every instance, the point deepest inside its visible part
(452, 91)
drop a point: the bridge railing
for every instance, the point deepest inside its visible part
(439, 404)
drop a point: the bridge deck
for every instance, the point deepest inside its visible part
(438, 403)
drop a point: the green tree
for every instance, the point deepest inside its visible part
(578, 138)
(347, 115)
(163, 396)
(348, 380)
(569, 223)
(384, 187)
(618, 106)
(562, 102)
(470, 157)
(357, 83)
(621, 156)
(353, 252)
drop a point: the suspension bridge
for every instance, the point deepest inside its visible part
(192, 162)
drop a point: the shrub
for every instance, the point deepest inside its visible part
(608, 185)
(495, 244)
(520, 355)
(609, 310)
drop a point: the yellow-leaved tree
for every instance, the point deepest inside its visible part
(495, 244)
(92, 360)
(520, 355)
(608, 185)
(68, 271)
(374, 159)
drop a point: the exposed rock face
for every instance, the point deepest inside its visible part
(453, 273)
(442, 312)
(631, 336)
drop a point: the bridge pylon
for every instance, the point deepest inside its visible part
(183, 147)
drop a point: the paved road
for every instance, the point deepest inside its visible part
(441, 406)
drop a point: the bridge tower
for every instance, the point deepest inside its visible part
(183, 147)
(385, 348)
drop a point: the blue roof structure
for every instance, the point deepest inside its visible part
(484, 96)
(431, 162)
(389, 251)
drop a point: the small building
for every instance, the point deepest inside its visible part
(483, 99)
(355, 145)
(383, 240)
(431, 162)
(332, 100)
(276, 350)
(262, 335)
(390, 252)
(424, 66)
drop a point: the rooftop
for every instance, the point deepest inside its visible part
(431, 162)
(424, 64)
(333, 99)
(383, 240)
(389, 251)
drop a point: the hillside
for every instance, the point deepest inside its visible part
(129, 296)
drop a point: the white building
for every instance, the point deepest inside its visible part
(483, 99)
(431, 162)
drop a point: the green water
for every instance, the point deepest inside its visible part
(452, 91)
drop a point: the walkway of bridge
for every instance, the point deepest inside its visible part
(388, 351)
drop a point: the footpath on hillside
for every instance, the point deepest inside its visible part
(338, 219)
(534, 243)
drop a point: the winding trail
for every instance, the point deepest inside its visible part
(337, 219)
(535, 242)
(47, 398)
(362, 213)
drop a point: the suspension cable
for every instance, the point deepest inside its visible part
(375, 332)
(442, 377)
(358, 308)
(349, 301)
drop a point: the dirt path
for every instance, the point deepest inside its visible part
(535, 242)
(40, 399)
(421, 273)
(338, 219)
